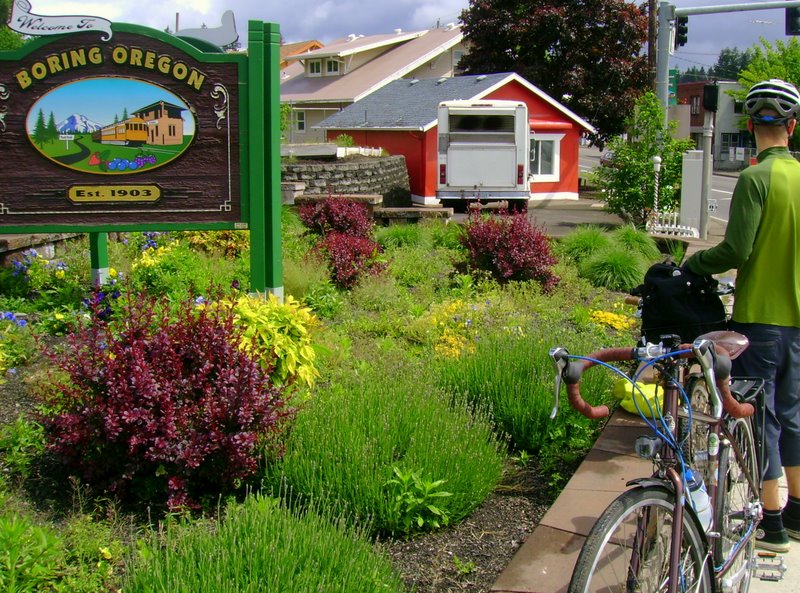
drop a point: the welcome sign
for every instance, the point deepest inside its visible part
(116, 127)
(120, 125)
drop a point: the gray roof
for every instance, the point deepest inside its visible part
(410, 104)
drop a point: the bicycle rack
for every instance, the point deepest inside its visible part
(769, 567)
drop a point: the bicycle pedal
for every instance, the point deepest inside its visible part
(769, 567)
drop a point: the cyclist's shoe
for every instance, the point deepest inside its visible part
(792, 526)
(773, 541)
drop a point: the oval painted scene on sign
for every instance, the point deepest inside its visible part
(110, 126)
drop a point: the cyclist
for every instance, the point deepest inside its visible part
(762, 241)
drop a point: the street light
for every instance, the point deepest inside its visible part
(656, 169)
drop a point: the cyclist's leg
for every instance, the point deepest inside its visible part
(787, 410)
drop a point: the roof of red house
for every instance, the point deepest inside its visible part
(411, 104)
(406, 52)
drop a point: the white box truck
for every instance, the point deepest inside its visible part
(483, 153)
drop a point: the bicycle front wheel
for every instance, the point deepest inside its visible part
(628, 549)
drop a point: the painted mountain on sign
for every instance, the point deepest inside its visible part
(76, 123)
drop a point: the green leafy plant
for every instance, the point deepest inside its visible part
(412, 505)
(20, 443)
(278, 334)
(30, 555)
(464, 567)
(345, 140)
(630, 182)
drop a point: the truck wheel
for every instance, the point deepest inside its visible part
(459, 206)
(515, 206)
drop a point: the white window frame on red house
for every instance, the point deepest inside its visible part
(554, 170)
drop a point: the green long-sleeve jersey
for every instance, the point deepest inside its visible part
(762, 241)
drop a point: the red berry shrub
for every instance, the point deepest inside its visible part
(160, 408)
(510, 248)
(350, 257)
(337, 215)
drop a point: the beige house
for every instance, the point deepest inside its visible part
(319, 83)
(164, 123)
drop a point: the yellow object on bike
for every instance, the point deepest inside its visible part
(648, 396)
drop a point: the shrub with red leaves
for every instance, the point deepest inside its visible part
(161, 408)
(350, 257)
(337, 215)
(510, 248)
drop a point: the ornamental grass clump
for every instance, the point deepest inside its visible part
(161, 407)
(510, 248)
(261, 545)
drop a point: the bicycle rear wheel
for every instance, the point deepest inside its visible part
(627, 550)
(735, 517)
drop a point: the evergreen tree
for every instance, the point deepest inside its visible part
(51, 131)
(40, 130)
(8, 39)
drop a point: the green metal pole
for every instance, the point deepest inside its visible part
(256, 149)
(98, 253)
(272, 162)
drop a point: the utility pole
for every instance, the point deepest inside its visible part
(652, 34)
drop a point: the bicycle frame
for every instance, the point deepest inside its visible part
(669, 465)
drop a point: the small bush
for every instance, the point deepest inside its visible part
(345, 140)
(30, 556)
(510, 248)
(158, 408)
(337, 215)
(637, 241)
(50, 282)
(20, 443)
(228, 244)
(616, 268)
(350, 257)
(263, 546)
(584, 241)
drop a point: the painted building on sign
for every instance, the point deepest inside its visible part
(164, 123)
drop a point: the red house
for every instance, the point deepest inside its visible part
(401, 118)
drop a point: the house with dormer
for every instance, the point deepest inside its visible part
(321, 82)
(402, 118)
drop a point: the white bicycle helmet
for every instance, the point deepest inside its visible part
(775, 94)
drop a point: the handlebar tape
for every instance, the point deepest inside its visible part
(575, 369)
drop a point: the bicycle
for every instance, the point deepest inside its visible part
(690, 526)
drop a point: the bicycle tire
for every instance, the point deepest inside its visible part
(607, 561)
(734, 509)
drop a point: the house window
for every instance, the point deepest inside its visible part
(695, 104)
(315, 68)
(300, 121)
(545, 157)
(738, 107)
(457, 55)
(332, 67)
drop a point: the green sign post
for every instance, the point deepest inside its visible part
(134, 129)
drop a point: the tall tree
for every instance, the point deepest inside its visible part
(51, 131)
(585, 53)
(781, 60)
(8, 39)
(731, 61)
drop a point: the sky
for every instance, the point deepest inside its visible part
(326, 20)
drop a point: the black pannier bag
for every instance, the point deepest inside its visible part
(677, 301)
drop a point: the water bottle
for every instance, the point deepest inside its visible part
(699, 499)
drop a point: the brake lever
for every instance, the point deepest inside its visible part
(560, 357)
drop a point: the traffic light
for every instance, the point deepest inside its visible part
(710, 97)
(681, 31)
(793, 20)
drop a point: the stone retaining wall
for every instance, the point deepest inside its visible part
(387, 176)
